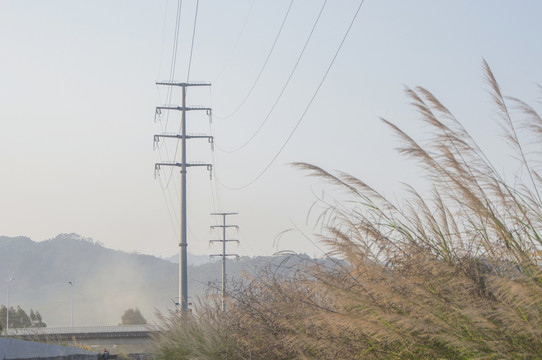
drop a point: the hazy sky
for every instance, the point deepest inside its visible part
(78, 93)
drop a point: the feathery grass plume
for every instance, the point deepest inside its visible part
(467, 280)
(455, 274)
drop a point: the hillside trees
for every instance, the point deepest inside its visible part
(132, 317)
(18, 318)
(35, 318)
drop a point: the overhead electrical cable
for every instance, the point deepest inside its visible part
(215, 189)
(174, 224)
(176, 39)
(215, 183)
(283, 88)
(227, 63)
(163, 39)
(306, 108)
(171, 75)
(175, 51)
(187, 79)
(172, 71)
(192, 44)
(263, 66)
(164, 126)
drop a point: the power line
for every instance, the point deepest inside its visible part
(215, 189)
(306, 108)
(263, 66)
(173, 225)
(167, 157)
(175, 51)
(172, 72)
(227, 63)
(168, 198)
(164, 127)
(171, 77)
(283, 88)
(192, 45)
(163, 39)
(176, 39)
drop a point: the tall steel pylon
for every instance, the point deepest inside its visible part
(224, 255)
(183, 276)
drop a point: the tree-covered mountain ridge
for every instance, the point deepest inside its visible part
(106, 282)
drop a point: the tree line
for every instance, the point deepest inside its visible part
(18, 318)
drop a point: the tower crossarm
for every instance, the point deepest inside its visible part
(210, 139)
(182, 108)
(225, 255)
(224, 226)
(158, 166)
(183, 84)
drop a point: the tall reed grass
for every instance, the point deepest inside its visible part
(453, 275)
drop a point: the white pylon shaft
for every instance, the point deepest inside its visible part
(183, 268)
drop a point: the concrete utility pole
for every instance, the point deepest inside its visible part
(183, 277)
(224, 255)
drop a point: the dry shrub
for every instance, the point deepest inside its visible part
(189, 336)
(455, 275)
(80, 345)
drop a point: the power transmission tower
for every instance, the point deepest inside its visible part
(224, 255)
(183, 276)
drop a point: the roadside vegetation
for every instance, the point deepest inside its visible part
(450, 275)
(18, 318)
(132, 317)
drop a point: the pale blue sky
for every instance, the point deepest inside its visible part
(77, 100)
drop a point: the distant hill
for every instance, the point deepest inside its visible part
(106, 282)
(193, 260)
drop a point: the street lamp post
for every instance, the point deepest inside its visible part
(71, 285)
(7, 303)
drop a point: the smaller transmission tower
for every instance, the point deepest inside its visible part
(224, 255)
